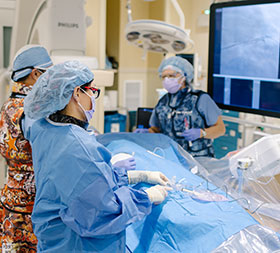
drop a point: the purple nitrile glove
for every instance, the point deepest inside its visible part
(141, 130)
(128, 164)
(191, 134)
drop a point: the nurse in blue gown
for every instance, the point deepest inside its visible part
(82, 203)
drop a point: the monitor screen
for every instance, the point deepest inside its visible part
(244, 69)
(143, 117)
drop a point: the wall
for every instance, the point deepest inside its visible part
(131, 64)
(96, 33)
(156, 11)
(95, 46)
(113, 28)
(113, 35)
(200, 35)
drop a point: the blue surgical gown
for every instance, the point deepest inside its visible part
(82, 204)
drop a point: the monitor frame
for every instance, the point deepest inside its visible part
(211, 55)
(138, 120)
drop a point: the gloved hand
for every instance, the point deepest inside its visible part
(128, 164)
(150, 177)
(141, 130)
(158, 193)
(191, 134)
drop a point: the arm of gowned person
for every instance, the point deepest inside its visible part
(154, 129)
(25, 125)
(96, 203)
(150, 177)
(216, 130)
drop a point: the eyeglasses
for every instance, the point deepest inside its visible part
(42, 70)
(169, 76)
(29, 67)
(95, 91)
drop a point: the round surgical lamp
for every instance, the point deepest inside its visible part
(158, 36)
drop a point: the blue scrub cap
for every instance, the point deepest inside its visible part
(54, 88)
(29, 57)
(178, 64)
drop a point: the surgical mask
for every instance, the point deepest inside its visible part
(88, 113)
(172, 85)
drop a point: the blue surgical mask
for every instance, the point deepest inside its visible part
(172, 85)
(88, 113)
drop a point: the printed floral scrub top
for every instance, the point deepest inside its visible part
(18, 194)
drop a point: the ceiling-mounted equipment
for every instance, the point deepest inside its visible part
(61, 31)
(158, 36)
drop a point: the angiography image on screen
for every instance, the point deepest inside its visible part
(244, 53)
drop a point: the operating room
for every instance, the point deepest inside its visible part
(139, 126)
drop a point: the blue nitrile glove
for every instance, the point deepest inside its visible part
(128, 164)
(191, 134)
(141, 130)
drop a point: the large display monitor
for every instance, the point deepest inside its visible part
(244, 56)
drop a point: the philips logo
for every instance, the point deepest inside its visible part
(68, 25)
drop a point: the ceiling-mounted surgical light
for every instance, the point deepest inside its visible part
(158, 36)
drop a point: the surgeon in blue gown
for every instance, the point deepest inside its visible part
(82, 203)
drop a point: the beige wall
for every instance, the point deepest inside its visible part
(156, 11)
(96, 33)
(113, 28)
(130, 56)
(113, 35)
(95, 46)
(172, 16)
(200, 35)
(132, 66)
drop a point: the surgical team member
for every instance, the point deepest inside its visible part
(188, 116)
(82, 203)
(18, 194)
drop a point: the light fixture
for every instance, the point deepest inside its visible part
(158, 36)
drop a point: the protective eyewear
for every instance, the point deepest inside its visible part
(42, 70)
(169, 76)
(95, 91)
(29, 67)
